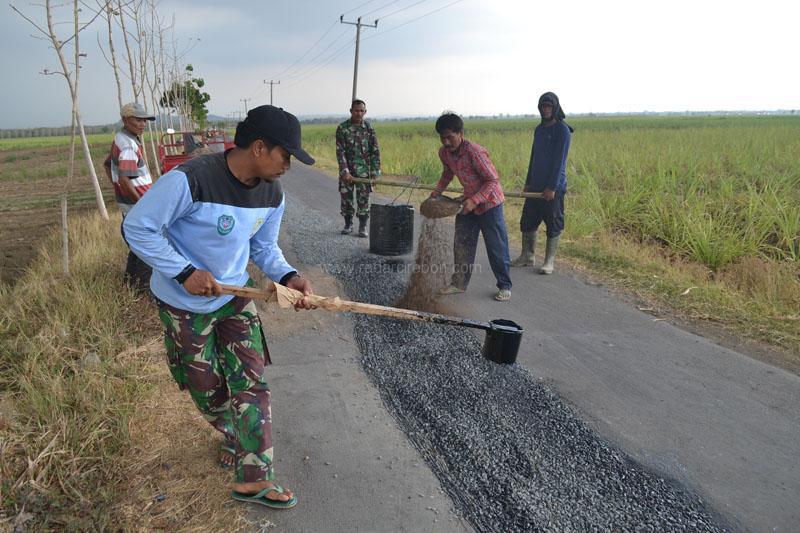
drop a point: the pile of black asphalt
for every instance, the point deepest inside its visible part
(506, 448)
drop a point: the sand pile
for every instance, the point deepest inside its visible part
(432, 267)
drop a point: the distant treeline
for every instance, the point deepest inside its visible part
(17, 133)
(215, 121)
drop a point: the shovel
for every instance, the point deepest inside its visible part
(502, 336)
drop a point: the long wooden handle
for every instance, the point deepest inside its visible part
(249, 292)
(433, 187)
(336, 304)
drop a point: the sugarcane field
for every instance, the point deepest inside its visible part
(378, 266)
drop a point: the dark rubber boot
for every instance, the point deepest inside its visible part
(362, 227)
(550, 255)
(348, 226)
(528, 248)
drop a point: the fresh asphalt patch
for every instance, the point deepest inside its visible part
(510, 453)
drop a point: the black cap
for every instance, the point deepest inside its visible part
(279, 127)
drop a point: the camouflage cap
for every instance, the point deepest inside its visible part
(135, 109)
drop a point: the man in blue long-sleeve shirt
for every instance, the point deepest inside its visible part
(198, 227)
(547, 173)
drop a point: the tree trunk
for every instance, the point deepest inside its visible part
(98, 193)
(131, 65)
(114, 65)
(64, 234)
(58, 45)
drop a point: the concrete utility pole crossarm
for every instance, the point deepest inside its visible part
(271, 83)
(358, 25)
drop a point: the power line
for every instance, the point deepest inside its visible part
(327, 62)
(299, 78)
(379, 8)
(309, 65)
(414, 19)
(284, 72)
(307, 51)
(384, 17)
(302, 70)
(288, 69)
(358, 7)
(291, 72)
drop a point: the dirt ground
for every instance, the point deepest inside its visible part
(32, 181)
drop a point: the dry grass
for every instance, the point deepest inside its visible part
(174, 482)
(92, 430)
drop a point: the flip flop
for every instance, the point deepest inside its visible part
(227, 448)
(261, 498)
(503, 295)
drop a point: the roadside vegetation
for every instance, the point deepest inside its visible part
(88, 412)
(657, 205)
(67, 399)
(694, 217)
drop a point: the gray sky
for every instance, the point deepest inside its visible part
(474, 57)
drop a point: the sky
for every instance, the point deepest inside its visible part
(475, 57)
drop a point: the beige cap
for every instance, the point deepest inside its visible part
(135, 110)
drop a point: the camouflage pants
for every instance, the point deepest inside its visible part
(219, 358)
(362, 191)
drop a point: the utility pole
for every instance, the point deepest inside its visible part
(245, 100)
(358, 25)
(271, 83)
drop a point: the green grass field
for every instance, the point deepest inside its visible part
(696, 217)
(713, 189)
(52, 142)
(656, 204)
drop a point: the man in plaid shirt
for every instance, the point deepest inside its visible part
(482, 210)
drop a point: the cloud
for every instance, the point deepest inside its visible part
(194, 17)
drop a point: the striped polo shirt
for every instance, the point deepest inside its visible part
(127, 160)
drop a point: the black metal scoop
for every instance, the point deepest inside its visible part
(503, 337)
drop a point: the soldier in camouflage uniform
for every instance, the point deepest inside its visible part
(198, 227)
(359, 157)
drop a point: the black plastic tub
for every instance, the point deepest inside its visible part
(502, 341)
(391, 229)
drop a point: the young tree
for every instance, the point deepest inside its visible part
(72, 79)
(187, 95)
(109, 13)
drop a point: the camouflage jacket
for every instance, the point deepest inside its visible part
(357, 150)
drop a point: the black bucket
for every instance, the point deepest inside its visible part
(502, 341)
(391, 229)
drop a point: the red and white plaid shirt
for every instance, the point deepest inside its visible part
(476, 172)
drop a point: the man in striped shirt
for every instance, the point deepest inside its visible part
(126, 168)
(482, 211)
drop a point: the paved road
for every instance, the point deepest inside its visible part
(716, 420)
(336, 446)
